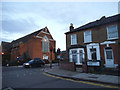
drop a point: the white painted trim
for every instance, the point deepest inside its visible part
(89, 36)
(78, 55)
(108, 42)
(93, 63)
(45, 32)
(106, 59)
(75, 39)
(51, 39)
(107, 45)
(117, 32)
(48, 39)
(39, 37)
(115, 66)
(94, 45)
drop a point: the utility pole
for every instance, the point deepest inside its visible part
(51, 49)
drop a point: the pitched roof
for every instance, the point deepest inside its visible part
(5, 45)
(96, 23)
(25, 38)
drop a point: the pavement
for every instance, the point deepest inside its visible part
(79, 75)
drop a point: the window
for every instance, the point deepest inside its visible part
(74, 51)
(108, 54)
(93, 53)
(73, 39)
(74, 57)
(45, 44)
(112, 32)
(87, 36)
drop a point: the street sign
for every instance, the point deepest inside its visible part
(93, 63)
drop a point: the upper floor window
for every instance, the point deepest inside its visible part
(87, 36)
(112, 32)
(73, 39)
(45, 44)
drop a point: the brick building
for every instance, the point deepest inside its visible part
(61, 55)
(96, 41)
(36, 44)
(5, 51)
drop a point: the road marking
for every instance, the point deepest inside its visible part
(85, 82)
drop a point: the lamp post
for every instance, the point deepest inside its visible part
(51, 49)
(58, 55)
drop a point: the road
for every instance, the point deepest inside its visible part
(19, 77)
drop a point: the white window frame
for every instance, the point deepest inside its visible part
(44, 48)
(73, 41)
(112, 33)
(78, 55)
(88, 36)
(94, 45)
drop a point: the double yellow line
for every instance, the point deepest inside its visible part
(85, 82)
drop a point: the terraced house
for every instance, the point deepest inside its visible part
(36, 44)
(95, 41)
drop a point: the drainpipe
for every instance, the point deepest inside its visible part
(118, 55)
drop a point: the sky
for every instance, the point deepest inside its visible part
(22, 18)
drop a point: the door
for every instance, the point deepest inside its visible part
(109, 59)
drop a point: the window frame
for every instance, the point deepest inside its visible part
(44, 43)
(73, 42)
(109, 34)
(90, 36)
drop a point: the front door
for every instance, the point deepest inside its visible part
(109, 59)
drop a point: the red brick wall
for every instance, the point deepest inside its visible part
(68, 66)
(99, 35)
(34, 47)
(102, 52)
(115, 52)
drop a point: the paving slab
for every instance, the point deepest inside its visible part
(108, 79)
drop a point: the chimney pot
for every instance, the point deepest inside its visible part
(71, 27)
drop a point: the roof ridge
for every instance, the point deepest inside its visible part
(103, 20)
(28, 35)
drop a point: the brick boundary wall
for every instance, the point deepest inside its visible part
(68, 66)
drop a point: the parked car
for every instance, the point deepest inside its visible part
(36, 62)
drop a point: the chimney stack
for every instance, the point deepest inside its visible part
(71, 27)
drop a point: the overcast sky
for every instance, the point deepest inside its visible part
(22, 18)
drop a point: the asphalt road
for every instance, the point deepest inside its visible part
(19, 77)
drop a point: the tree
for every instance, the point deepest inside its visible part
(25, 56)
